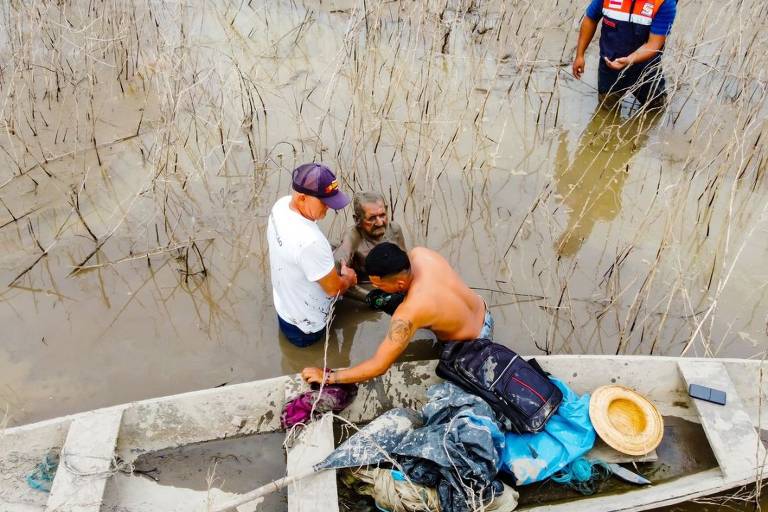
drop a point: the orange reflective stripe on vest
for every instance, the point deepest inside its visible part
(643, 12)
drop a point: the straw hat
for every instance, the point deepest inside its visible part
(627, 421)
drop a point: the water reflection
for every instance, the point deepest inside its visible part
(591, 183)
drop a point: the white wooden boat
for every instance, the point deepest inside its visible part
(91, 442)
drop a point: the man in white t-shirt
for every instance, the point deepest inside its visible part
(304, 277)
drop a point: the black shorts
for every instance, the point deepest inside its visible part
(645, 82)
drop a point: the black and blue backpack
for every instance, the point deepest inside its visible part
(518, 391)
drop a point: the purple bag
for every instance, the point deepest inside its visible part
(333, 398)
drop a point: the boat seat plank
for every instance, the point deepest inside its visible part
(728, 427)
(316, 492)
(605, 453)
(86, 462)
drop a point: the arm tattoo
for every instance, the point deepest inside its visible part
(400, 331)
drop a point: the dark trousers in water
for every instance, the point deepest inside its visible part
(645, 81)
(298, 337)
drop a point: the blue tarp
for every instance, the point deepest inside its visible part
(457, 450)
(567, 435)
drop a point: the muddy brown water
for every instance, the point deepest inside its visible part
(232, 465)
(143, 148)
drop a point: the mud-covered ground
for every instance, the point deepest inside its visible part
(143, 145)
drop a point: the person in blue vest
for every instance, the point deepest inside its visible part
(632, 40)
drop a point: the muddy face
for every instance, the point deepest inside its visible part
(374, 220)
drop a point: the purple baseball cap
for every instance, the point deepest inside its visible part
(318, 181)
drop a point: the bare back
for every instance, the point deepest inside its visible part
(439, 300)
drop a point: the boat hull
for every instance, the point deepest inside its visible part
(254, 408)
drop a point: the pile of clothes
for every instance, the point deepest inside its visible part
(457, 451)
(497, 414)
(453, 461)
(461, 450)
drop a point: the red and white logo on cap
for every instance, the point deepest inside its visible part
(331, 187)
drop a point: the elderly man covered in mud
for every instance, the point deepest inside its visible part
(304, 277)
(632, 40)
(435, 298)
(372, 227)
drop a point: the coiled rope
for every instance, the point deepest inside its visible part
(584, 476)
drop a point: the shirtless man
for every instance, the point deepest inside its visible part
(436, 299)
